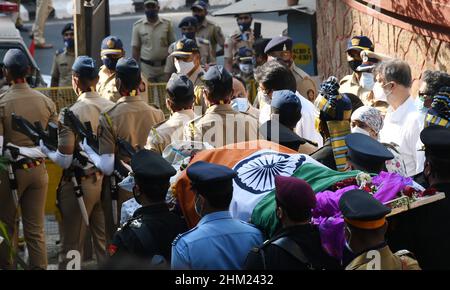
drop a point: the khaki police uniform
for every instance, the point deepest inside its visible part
(388, 261)
(130, 119)
(221, 125)
(204, 48)
(31, 177)
(43, 9)
(232, 48)
(153, 41)
(87, 109)
(62, 67)
(106, 85)
(169, 131)
(304, 82)
(213, 33)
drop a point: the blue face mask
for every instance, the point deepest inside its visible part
(69, 43)
(245, 26)
(109, 63)
(190, 35)
(151, 14)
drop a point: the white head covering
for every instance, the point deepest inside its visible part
(370, 116)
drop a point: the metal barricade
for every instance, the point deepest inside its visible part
(61, 96)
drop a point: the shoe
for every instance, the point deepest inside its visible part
(43, 45)
(22, 28)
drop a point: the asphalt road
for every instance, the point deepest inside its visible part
(121, 26)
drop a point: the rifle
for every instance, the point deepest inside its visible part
(83, 130)
(36, 132)
(50, 138)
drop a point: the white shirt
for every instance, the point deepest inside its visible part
(305, 127)
(403, 127)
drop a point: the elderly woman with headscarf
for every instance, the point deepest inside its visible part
(367, 120)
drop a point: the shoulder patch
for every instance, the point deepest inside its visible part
(182, 235)
(203, 41)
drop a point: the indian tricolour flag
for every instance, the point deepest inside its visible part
(253, 196)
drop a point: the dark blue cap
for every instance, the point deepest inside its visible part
(360, 206)
(180, 87)
(279, 43)
(127, 66)
(15, 59)
(200, 5)
(185, 47)
(436, 140)
(112, 45)
(85, 67)
(218, 75)
(284, 136)
(360, 43)
(147, 164)
(67, 27)
(188, 21)
(363, 150)
(205, 173)
(245, 54)
(286, 100)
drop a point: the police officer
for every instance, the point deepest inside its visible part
(187, 62)
(153, 227)
(228, 240)
(129, 119)
(28, 167)
(87, 109)
(334, 124)
(221, 125)
(206, 29)
(43, 9)
(426, 230)
(188, 26)
(180, 98)
(240, 38)
(353, 84)
(258, 47)
(280, 48)
(111, 51)
(64, 58)
(286, 112)
(245, 60)
(297, 246)
(152, 36)
(366, 154)
(365, 228)
(240, 101)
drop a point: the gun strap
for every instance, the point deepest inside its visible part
(77, 187)
(113, 185)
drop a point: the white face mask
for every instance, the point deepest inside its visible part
(378, 92)
(184, 67)
(357, 129)
(246, 68)
(367, 81)
(240, 104)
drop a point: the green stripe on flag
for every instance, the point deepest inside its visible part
(320, 178)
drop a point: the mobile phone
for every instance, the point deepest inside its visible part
(257, 30)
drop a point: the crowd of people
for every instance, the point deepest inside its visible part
(367, 121)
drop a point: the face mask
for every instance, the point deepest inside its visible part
(245, 26)
(184, 67)
(354, 64)
(127, 184)
(189, 35)
(240, 104)
(151, 14)
(420, 104)
(246, 68)
(197, 207)
(360, 130)
(109, 63)
(367, 81)
(200, 18)
(378, 92)
(69, 43)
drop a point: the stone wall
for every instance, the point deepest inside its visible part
(337, 22)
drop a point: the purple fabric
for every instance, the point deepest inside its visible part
(328, 217)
